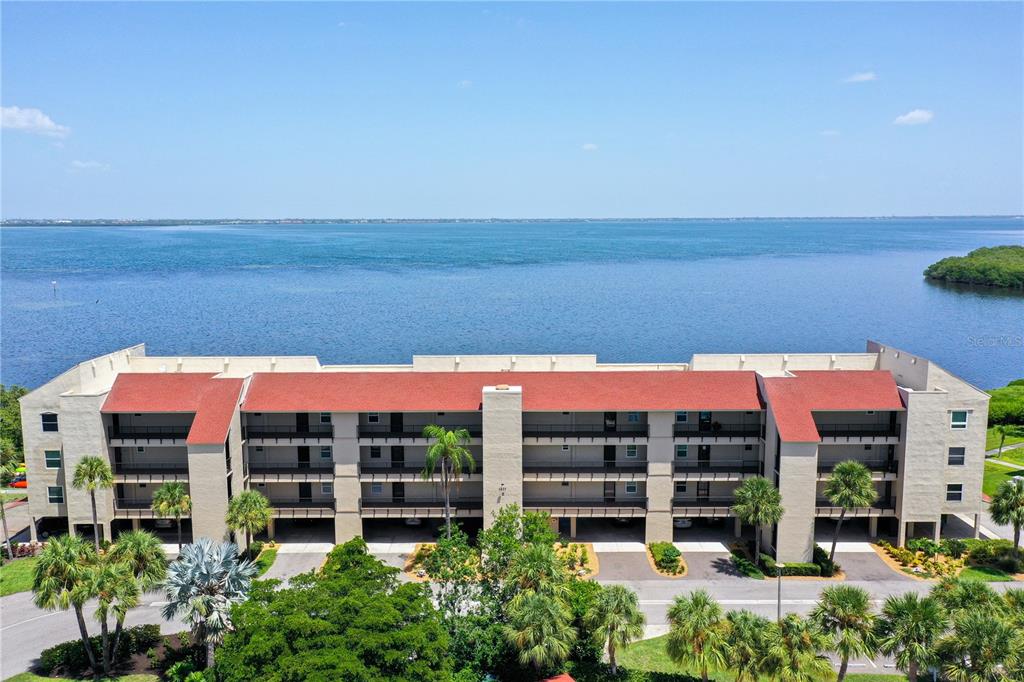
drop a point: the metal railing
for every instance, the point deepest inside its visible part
(723, 431)
(728, 466)
(718, 501)
(590, 502)
(574, 430)
(150, 467)
(876, 465)
(277, 467)
(409, 430)
(131, 432)
(432, 502)
(881, 503)
(559, 466)
(303, 503)
(133, 503)
(406, 468)
(858, 430)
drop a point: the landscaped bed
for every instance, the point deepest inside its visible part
(666, 559)
(580, 560)
(987, 560)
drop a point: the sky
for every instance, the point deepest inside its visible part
(530, 110)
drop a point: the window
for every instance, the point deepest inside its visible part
(326, 488)
(954, 492)
(957, 419)
(325, 452)
(682, 451)
(259, 448)
(49, 421)
(680, 488)
(373, 418)
(440, 414)
(52, 459)
(633, 417)
(748, 447)
(55, 494)
(631, 488)
(565, 448)
(956, 457)
(631, 451)
(376, 488)
(870, 412)
(325, 417)
(374, 452)
(565, 484)
(868, 448)
(261, 485)
(704, 416)
(140, 449)
(681, 417)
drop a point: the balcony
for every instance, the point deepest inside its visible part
(150, 470)
(293, 507)
(718, 469)
(271, 472)
(136, 508)
(562, 470)
(128, 434)
(859, 433)
(718, 506)
(386, 433)
(727, 433)
(420, 507)
(882, 468)
(373, 471)
(589, 506)
(283, 434)
(586, 432)
(885, 506)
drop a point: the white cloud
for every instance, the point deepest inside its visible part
(862, 77)
(589, 147)
(464, 84)
(31, 121)
(342, 24)
(914, 118)
(77, 165)
(829, 133)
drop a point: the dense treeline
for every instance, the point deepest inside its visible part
(1007, 404)
(996, 266)
(10, 423)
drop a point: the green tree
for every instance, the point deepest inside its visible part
(10, 423)
(172, 500)
(5, 472)
(848, 487)
(450, 453)
(452, 566)
(957, 594)
(844, 614)
(249, 511)
(116, 592)
(617, 620)
(510, 530)
(796, 651)
(908, 629)
(540, 629)
(980, 648)
(697, 633)
(93, 473)
(202, 585)
(759, 503)
(537, 568)
(1005, 430)
(745, 643)
(143, 557)
(1007, 506)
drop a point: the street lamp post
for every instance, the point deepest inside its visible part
(778, 568)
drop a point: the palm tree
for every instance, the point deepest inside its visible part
(979, 648)
(540, 628)
(617, 619)
(171, 499)
(449, 452)
(62, 580)
(140, 551)
(6, 471)
(850, 486)
(758, 503)
(844, 613)
(697, 632)
(795, 652)
(116, 592)
(1007, 506)
(1005, 430)
(92, 473)
(745, 643)
(908, 629)
(203, 584)
(249, 511)
(536, 568)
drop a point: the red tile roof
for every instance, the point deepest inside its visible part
(564, 677)
(210, 399)
(794, 399)
(461, 391)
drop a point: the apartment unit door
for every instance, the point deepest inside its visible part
(303, 453)
(398, 456)
(609, 456)
(397, 492)
(302, 422)
(703, 490)
(609, 492)
(305, 492)
(703, 456)
(610, 420)
(397, 422)
(704, 421)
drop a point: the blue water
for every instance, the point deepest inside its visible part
(628, 291)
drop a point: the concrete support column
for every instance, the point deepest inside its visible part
(572, 527)
(136, 524)
(937, 533)
(502, 448)
(270, 529)
(348, 521)
(873, 526)
(977, 526)
(33, 533)
(208, 488)
(798, 476)
(737, 527)
(660, 455)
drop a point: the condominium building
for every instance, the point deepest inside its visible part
(560, 433)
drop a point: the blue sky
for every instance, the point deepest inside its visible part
(511, 110)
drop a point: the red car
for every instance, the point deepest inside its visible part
(19, 481)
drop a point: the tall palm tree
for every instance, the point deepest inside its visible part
(540, 628)
(1005, 430)
(249, 511)
(795, 652)
(203, 584)
(844, 614)
(1007, 506)
(745, 643)
(6, 471)
(908, 629)
(62, 580)
(850, 486)
(536, 568)
(93, 473)
(116, 592)
(956, 594)
(697, 632)
(171, 499)
(617, 619)
(141, 552)
(449, 452)
(758, 503)
(979, 648)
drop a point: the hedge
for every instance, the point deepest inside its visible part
(771, 568)
(828, 567)
(666, 556)
(71, 658)
(745, 566)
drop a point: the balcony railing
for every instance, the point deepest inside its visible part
(719, 466)
(584, 430)
(289, 431)
(303, 503)
(562, 466)
(131, 432)
(151, 467)
(876, 465)
(709, 431)
(718, 501)
(881, 503)
(431, 502)
(588, 502)
(408, 431)
(858, 430)
(282, 467)
(406, 468)
(133, 503)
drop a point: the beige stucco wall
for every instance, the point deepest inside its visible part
(660, 455)
(208, 486)
(782, 362)
(345, 447)
(798, 473)
(502, 448)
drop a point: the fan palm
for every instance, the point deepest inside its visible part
(850, 486)
(116, 592)
(697, 632)
(6, 471)
(536, 568)
(844, 613)
(957, 594)
(1007, 506)
(144, 555)
(540, 628)
(745, 643)
(172, 500)
(203, 584)
(93, 473)
(979, 648)
(795, 652)
(1005, 430)
(249, 511)
(617, 620)
(449, 452)
(758, 503)
(908, 629)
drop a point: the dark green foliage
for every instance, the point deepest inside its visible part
(352, 622)
(70, 657)
(997, 266)
(11, 445)
(953, 547)
(666, 556)
(826, 566)
(1007, 404)
(600, 672)
(745, 566)
(998, 553)
(924, 545)
(582, 600)
(771, 568)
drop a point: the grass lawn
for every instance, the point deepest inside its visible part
(31, 677)
(985, 574)
(16, 576)
(265, 560)
(1016, 456)
(995, 474)
(992, 439)
(12, 495)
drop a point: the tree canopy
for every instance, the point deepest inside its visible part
(997, 266)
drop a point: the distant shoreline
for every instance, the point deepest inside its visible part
(167, 222)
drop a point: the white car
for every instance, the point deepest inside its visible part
(682, 523)
(414, 522)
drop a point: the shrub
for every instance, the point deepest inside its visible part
(923, 545)
(666, 556)
(999, 553)
(70, 657)
(953, 547)
(771, 568)
(745, 566)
